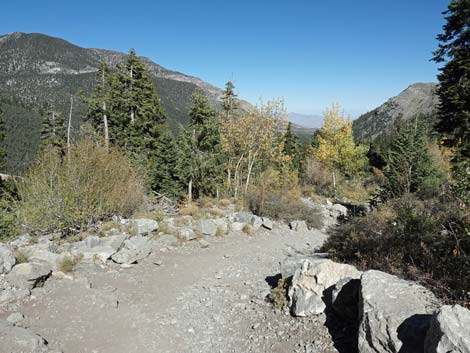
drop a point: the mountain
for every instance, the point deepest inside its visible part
(419, 98)
(308, 121)
(36, 68)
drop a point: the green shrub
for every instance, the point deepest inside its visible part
(61, 192)
(68, 263)
(428, 241)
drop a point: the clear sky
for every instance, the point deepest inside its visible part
(313, 53)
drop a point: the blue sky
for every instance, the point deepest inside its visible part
(312, 53)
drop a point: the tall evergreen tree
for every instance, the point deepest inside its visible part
(293, 148)
(230, 103)
(454, 77)
(2, 139)
(454, 91)
(98, 103)
(185, 163)
(410, 167)
(53, 130)
(206, 148)
(163, 174)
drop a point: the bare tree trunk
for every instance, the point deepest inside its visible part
(190, 191)
(105, 117)
(105, 124)
(250, 168)
(69, 126)
(132, 108)
(237, 175)
(334, 184)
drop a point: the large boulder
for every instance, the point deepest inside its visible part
(30, 274)
(14, 339)
(307, 292)
(134, 250)
(449, 331)
(394, 314)
(7, 259)
(205, 227)
(142, 226)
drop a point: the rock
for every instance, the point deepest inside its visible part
(243, 217)
(134, 250)
(449, 331)
(30, 275)
(394, 314)
(10, 295)
(16, 339)
(294, 261)
(94, 247)
(340, 210)
(205, 227)
(186, 234)
(256, 222)
(299, 226)
(204, 244)
(7, 259)
(143, 226)
(44, 255)
(267, 223)
(21, 240)
(164, 240)
(306, 294)
(14, 318)
(345, 298)
(237, 226)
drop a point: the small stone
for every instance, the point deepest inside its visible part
(14, 318)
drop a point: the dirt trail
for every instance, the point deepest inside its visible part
(185, 300)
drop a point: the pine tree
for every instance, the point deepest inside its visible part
(2, 139)
(410, 167)
(163, 174)
(206, 148)
(98, 103)
(454, 77)
(185, 163)
(53, 130)
(454, 91)
(230, 103)
(293, 148)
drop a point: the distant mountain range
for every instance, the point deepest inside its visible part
(36, 69)
(305, 120)
(419, 98)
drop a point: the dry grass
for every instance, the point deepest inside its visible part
(68, 263)
(21, 257)
(248, 229)
(73, 191)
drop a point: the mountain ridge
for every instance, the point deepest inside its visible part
(417, 98)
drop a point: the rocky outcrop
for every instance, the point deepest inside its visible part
(94, 247)
(394, 314)
(307, 292)
(449, 331)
